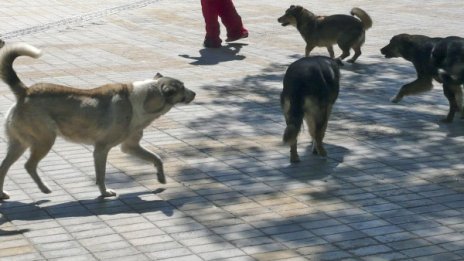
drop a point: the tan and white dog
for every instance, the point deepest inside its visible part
(104, 117)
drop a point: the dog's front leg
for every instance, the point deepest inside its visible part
(15, 150)
(100, 155)
(132, 146)
(421, 84)
(308, 49)
(331, 51)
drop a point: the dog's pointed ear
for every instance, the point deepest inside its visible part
(157, 76)
(295, 9)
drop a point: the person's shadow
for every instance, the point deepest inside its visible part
(212, 56)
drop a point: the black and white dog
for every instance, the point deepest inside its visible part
(448, 57)
(434, 58)
(311, 87)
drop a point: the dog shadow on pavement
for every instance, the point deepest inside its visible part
(137, 202)
(212, 56)
(313, 167)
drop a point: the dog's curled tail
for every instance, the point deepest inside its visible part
(8, 53)
(363, 16)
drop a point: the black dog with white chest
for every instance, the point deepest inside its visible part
(448, 57)
(434, 58)
(311, 87)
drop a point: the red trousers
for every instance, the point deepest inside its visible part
(225, 9)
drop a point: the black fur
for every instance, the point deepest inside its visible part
(448, 55)
(418, 49)
(316, 78)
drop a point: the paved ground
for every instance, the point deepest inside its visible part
(391, 188)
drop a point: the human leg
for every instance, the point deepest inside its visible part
(209, 9)
(231, 20)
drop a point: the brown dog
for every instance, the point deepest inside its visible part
(103, 117)
(325, 31)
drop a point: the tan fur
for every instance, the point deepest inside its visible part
(104, 117)
(325, 31)
(363, 16)
(316, 117)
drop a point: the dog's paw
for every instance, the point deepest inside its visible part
(396, 99)
(446, 120)
(314, 150)
(322, 153)
(160, 173)
(108, 193)
(45, 189)
(351, 61)
(294, 159)
(339, 62)
(161, 178)
(4, 195)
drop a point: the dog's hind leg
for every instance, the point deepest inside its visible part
(357, 48)
(330, 49)
(314, 115)
(311, 123)
(308, 49)
(132, 146)
(345, 51)
(452, 92)
(15, 150)
(421, 84)
(320, 128)
(39, 150)
(357, 53)
(293, 113)
(100, 156)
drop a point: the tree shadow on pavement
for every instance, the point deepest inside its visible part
(390, 175)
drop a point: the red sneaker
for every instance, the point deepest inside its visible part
(235, 38)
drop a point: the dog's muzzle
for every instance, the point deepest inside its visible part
(189, 96)
(386, 53)
(282, 22)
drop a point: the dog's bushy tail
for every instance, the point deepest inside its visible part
(8, 53)
(363, 16)
(291, 133)
(294, 120)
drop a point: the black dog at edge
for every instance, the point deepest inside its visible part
(436, 58)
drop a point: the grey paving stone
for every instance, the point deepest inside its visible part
(370, 250)
(225, 254)
(67, 252)
(423, 251)
(170, 253)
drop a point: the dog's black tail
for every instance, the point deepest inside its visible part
(363, 16)
(294, 113)
(8, 53)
